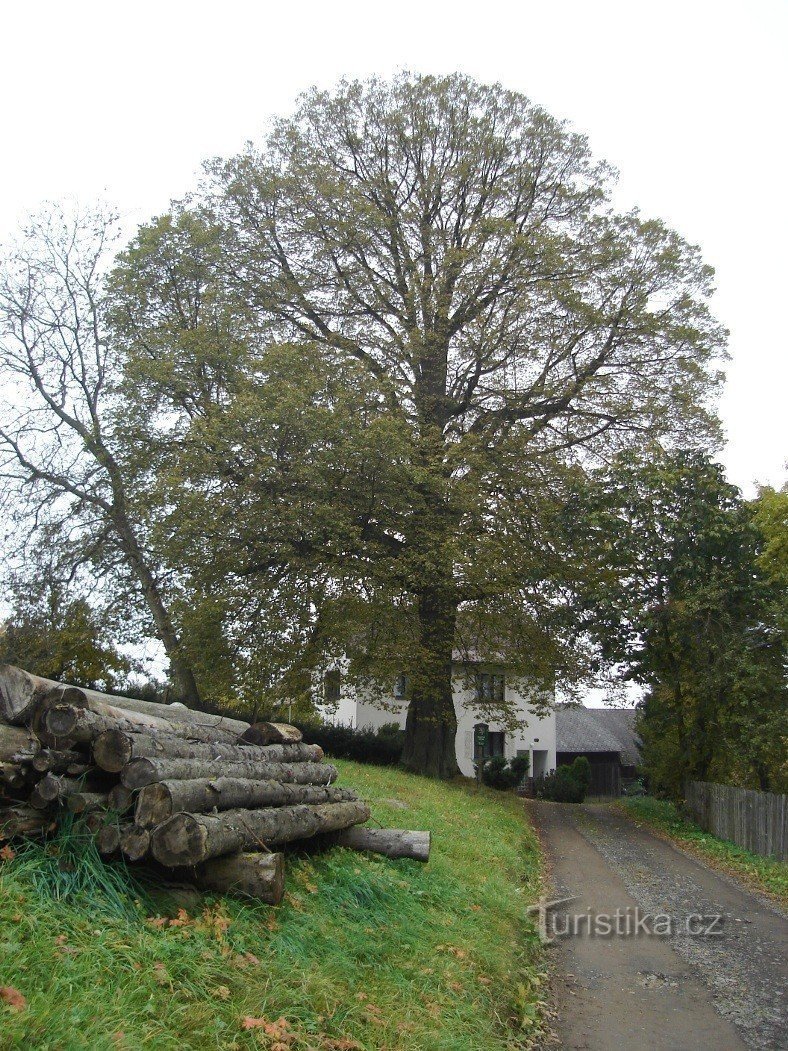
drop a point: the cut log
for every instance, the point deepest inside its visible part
(141, 772)
(134, 842)
(108, 839)
(13, 775)
(120, 799)
(79, 802)
(113, 749)
(17, 744)
(51, 760)
(72, 724)
(189, 839)
(158, 802)
(260, 876)
(21, 692)
(392, 842)
(52, 788)
(23, 821)
(271, 733)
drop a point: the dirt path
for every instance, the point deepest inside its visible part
(677, 991)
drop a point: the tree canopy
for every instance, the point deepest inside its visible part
(358, 376)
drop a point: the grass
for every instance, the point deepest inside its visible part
(365, 953)
(766, 875)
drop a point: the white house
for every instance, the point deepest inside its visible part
(536, 735)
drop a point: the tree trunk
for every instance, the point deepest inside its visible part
(180, 669)
(188, 839)
(431, 722)
(141, 772)
(392, 842)
(113, 749)
(260, 876)
(158, 802)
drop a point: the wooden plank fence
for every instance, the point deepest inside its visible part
(753, 820)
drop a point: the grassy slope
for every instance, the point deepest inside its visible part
(363, 954)
(766, 875)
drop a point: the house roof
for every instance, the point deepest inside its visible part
(598, 730)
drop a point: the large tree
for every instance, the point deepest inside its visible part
(457, 243)
(68, 471)
(680, 602)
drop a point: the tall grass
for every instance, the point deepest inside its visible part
(365, 952)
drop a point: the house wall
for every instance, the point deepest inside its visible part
(537, 734)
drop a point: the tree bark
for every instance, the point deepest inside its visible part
(113, 749)
(141, 772)
(188, 839)
(17, 744)
(392, 842)
(260, 876)
(158, 802)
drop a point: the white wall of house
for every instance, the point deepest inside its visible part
(536, 736)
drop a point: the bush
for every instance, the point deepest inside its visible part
(568, 784)
(520, 765)
(582, 771)
(382, 747)
(497, 773)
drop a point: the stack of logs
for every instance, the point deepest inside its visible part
(200, 794)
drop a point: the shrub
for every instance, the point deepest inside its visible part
(582, 771)
(520, 765)
(496, 773)
(382, 747)
(567, 784)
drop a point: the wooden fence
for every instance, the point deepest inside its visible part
(753, 820)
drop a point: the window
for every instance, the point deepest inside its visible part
(332, 685)
(401, 686)
(489, 687)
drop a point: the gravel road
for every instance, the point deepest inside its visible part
(681, 981)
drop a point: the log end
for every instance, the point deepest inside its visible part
(271, 733)
(112, 750)
(179, 841)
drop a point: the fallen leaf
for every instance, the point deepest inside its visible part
(247, 1022)
(11, 996)
(7, 853)
(223, 992)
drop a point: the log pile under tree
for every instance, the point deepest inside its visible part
(215, 800)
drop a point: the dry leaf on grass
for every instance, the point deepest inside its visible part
(11, 996)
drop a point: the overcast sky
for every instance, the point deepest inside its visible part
(688, 100)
